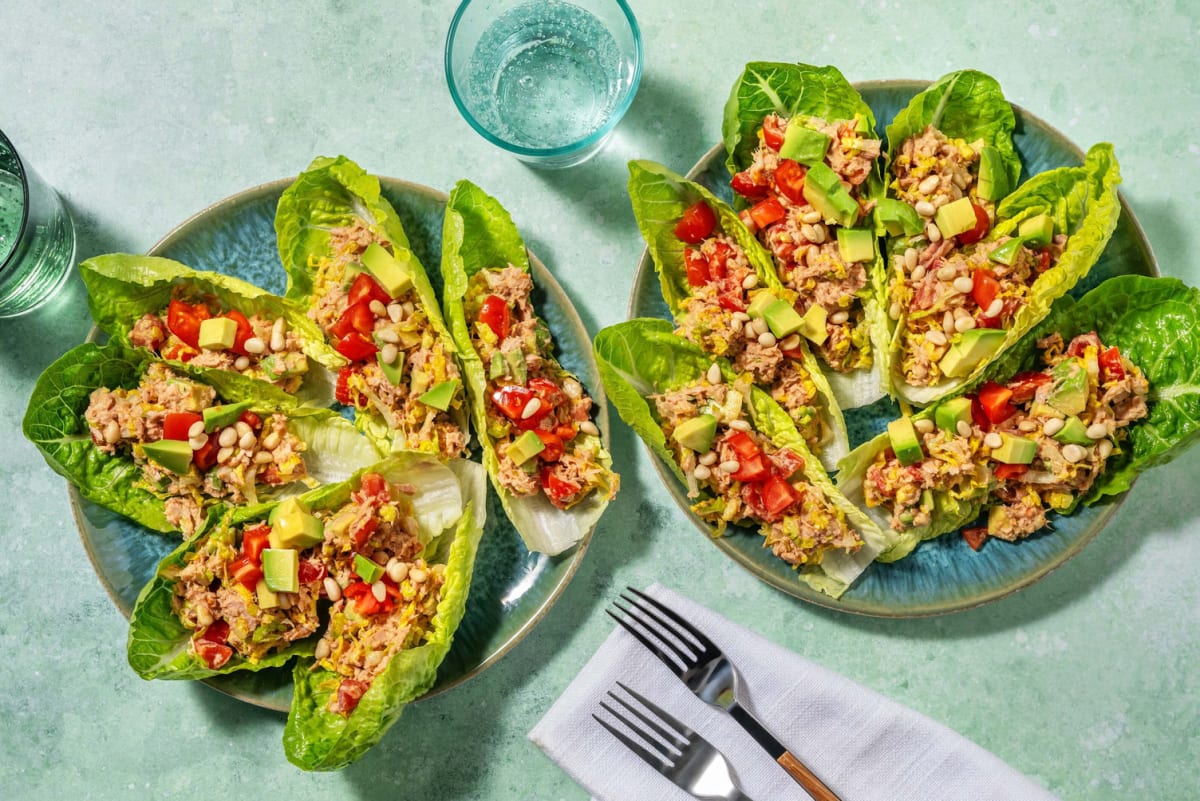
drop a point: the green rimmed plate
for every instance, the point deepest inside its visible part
(942, 575)
(512, 589)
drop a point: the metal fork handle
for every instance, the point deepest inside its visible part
(784, 758)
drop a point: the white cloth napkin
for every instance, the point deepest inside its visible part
(864, 746)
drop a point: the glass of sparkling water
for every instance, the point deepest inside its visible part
(37, 238)
(546, 80)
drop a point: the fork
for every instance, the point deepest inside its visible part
(709, 674)
(677, 752)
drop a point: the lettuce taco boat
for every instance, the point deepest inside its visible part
(722, 290)
(805, 161)
(974, 260)
(736, 450)
(162, 305)
(349, 263)
(163, 447)
(533, 418)
(1101, 390)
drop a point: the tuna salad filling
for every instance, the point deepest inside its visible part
(736, 474)
(1033, 445)
(202, 335)
(804, 188)
(538, 414)
(193, 451)
(400, 367)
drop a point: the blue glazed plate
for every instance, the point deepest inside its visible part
(512, 589)
(944, 574)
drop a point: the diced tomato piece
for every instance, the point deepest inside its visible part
(566, 432)
(349, 693)
(206, 457)
(184, 320)
(1024, 385)
(1081, 343)
(752, 468)
(512, 399)
(251, 419)
(342, 392)
(362, 534)
(558, 490)
(984, 288)
(214, 656)
(311, 570)
(718, 263)
(772, 130)
(696, 224)
(177, 424)
(356, 347)
(244, 331)
(493, 312)
(777, 495)
(217, 631)
(255, 541)
(786, 462)
(978, 415)
(975, 536)
(553, 447)
(995, 400)
(982, 224)
(375, 486)
(1110, 364)
(697, 267)
(986, 322)
(767, 212)
(1043, 260)
(365, 602)
(357, 317)
(1007, 471)
(367, 288)
(747, 187)
(732, 303)
(789, 180)
(742, 444)
(245, 572)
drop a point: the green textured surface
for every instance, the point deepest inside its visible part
(144, 115)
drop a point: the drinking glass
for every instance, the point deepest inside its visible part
(546, 80)
(37, 238)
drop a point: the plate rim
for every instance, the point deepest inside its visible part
(543, 278)
(646, 272)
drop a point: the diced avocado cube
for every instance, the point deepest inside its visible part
(224, 415)
(824, 192)
(905, 442)
(525, 447)
(498, 368)
(267, 599)
(293, 527)
(281, 569)
(366, 569)
(1007, 252)
(1015, 450)
(993, 177)
(395, 277)
(782, 318)
(803, 144)
(856, 244)
(173, 454)
(899, 218)
(1069, 392)
(956, 217)
(973, 349)
(759, 302)
(440, 395)
(950, 413)
(998, 520)
(1073, 431)
(288, 506)
(1037, 230)
(516, 365)
(217, 333)
(393, 372)
(813, 328)
(697, 433)
(861, 125)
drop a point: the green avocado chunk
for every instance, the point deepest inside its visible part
(1038, 230)
(1073, 431)
(975, 347)
(525, 447)
(782, 319)
(281, 569)
(956, 217)
(997, 520)
(440, 395)
(905, 442)
(367, 570)
(293, 527)
(824, 191)
(1007, 252)
(1015, 450)
(697, 433)
(173, 454)
(394, 372)
(949, 413)
(993, 177)
(266, 598)
(217, 333)
(814, 324)
(899, 218)
(803, 144)
(1069, 392)
(394, 277)
(224, 415)
(856, 244)
(759, 303)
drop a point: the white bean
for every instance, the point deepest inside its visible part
(767, 339)
(994, 308)
(387, 335)
(946, 272)
(918, 272)
(112, 432)
(948, 322)
(963, 428)
(228, 437)
(1027, 426)
(929, 185)
(225, 454)
(790, 342)
(196, 429)
(278, 335)
(271, 441)
(395, 312)
(262, 457)
(935, 336)
(894, 311)
(702, 472)
(416, 575)
(761, 327)
(730, 466)
(1073, 453)
(811, 217)
(739, 425)
(397, 570)
(750, 281)
(820, 233)
(333, 589)
(1104, 449)
(588, 427)
(923, 425)
(255, 345)
(933, 233)
(708, 459)
(241, 362)
(243, 428)
(531, 408)
(837, 318)
(993, 440)
(964, 324)
(1097, 431)
(377, 307)
(247, 441)
(714, 374)
(379, 590)
(963, 284)
(910, 258)
(1052, 426)
(322, 650)
(924, 208)
(388, 353)
(198, 442)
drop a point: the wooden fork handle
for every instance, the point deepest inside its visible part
(806, 778)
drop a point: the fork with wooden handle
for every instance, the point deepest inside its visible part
(708, 673)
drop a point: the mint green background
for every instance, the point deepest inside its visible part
(1086, 681)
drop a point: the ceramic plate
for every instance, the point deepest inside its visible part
(944, 574)
(512, 588)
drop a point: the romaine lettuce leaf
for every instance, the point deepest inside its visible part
(478, 234)
(124, 287)
(316, 739)
(659, 198)
(643, 357)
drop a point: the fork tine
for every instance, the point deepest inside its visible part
(652, 758)
(672, 737)
(651, 645)
(704, 642)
